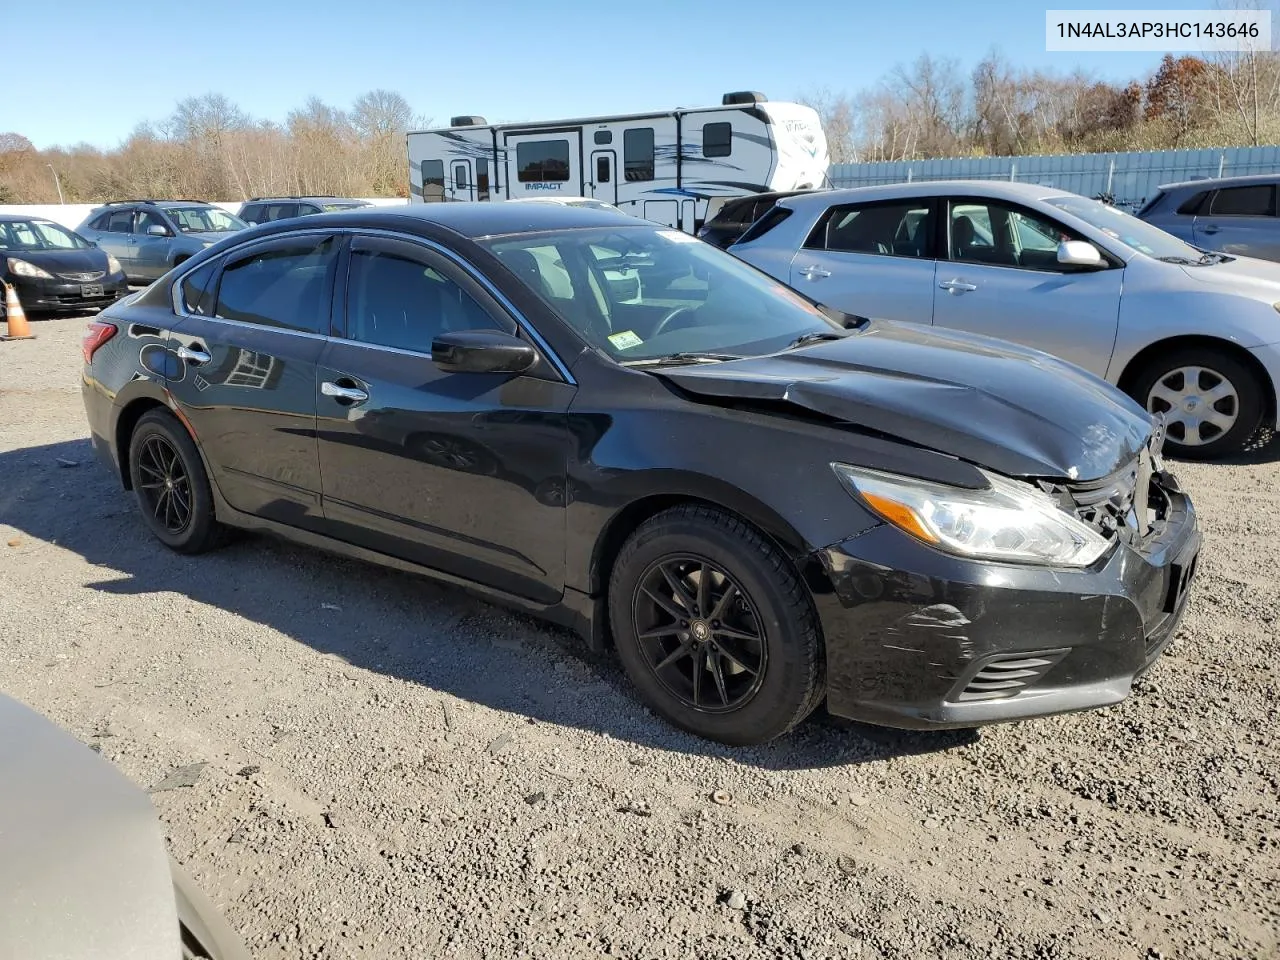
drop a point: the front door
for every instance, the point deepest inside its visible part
(872, 259)
(604, 180)
(1001, 278)
(461, 181)
(151, 253)
(460, 472)
(544, 164)
(246, 373)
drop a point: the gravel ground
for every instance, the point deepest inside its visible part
(395, 770)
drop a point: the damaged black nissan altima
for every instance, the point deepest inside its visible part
(760, 504)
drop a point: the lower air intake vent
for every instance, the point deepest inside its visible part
(1009, 675)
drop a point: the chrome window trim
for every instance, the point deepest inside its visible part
(522, 323)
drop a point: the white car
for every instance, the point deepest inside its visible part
(1191, 335)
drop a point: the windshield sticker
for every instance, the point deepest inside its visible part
(625, 340)
(675, 236)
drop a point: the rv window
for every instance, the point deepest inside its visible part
(432, 179)
(602, 169)
(637, 154)
(542, 161)
(460, 176)
(717, 139)
(604, 136)
(482, 179)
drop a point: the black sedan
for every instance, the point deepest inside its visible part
(760, 504)
(54, 269)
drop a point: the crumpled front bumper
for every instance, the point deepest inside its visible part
(920, 639)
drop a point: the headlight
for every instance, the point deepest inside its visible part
(113, 265)
(1009, 521)
(20, 268)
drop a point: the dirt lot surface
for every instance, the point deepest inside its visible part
(396, 770)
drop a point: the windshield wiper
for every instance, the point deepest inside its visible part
(1181, 261)
(674, 358)
(1212, 257)
(817, 337)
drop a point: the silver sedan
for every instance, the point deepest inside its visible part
(1189, 334)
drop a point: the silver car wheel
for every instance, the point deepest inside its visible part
(1199, 404)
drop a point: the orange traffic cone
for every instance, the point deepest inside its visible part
(13, 312)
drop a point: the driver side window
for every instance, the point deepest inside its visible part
(146, 220)
(1004, 235)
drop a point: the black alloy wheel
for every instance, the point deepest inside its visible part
(171, 486)
(699, 634)
(165, 487)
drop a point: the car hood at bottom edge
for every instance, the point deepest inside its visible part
(995, 404)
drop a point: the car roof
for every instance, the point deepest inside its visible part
(317, 199)
(1214, 183)
(25, 217)
(996, 189)
(475, 219)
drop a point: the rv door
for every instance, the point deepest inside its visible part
(603, 176)
(462, 182)
(544, 164)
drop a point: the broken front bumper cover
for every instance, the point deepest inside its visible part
(920, 639)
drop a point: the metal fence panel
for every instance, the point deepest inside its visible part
(1132, 178)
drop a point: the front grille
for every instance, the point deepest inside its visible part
(1007, 676)
(1124, 504)
(83, 277)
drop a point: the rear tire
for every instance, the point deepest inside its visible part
(739, 661)
(1213, 402)
(171, 486)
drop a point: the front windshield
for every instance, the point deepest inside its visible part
(204, 220)
(39, 235)
(640, 293)
(1127, 228)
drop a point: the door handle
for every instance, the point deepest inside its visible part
(339, 392)
(814, 272)
(958, 286)
(192, 355)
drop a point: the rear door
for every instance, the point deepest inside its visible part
(1241, 221)
(249, 350)
(872, 259)
(117, 237)
(544, 164)
(1002, 279)
(461, 472)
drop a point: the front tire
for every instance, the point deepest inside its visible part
(171, 486)
(1212, 401)
(715, 627)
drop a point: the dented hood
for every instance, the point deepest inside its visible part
(1013, 410)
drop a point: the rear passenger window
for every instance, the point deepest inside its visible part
(283, 286)
(1190, 207)
(196, 289)
(887, 229)
(120, 222)
(250, 213)
(717, 139)
(1256, 201)
(280, 211)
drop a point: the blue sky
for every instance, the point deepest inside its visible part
(503, 59)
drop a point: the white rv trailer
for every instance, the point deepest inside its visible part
(673, 168)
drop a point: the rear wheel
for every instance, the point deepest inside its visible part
(715, 628)
(171, 486)
(1213, 403)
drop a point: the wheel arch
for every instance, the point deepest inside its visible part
(1133, 369)
(127, 422)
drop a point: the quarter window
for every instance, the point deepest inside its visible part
(432, 180)
(1192, 206)
(396, 298)
(284, 286)
(196, 289)
(542, 161)
(717, 139)
(637, 154)
(1256, 201)
(886, 229)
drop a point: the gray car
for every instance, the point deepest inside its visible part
(149, 237)
(1191, 335)
(84, 874)
(1235, 215)
(267, 209)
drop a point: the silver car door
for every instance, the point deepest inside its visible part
(872, 259)
(1241, 221)
(1001, 278)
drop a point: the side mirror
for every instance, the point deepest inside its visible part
(481, 351)
(1079, 253)
(157, 230)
